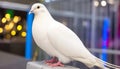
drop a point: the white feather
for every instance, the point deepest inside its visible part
(58, 40)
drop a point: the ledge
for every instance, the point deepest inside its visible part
(42, 65)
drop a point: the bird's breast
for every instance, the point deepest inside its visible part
(39, 33)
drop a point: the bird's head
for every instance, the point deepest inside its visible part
(38, 8)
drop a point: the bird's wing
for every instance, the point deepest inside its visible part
(66, 41)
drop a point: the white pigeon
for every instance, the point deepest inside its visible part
(59, 41)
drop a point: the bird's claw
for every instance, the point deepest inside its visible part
(56, 64)
(53, 60)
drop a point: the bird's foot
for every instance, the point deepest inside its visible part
(56, 64)
(53, 60)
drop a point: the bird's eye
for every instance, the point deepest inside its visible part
(38, 7)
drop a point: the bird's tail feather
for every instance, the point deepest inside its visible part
(109, 65)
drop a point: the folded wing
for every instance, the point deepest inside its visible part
(67, 42)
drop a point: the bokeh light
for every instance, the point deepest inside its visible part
(11, 25)
(6, 27)
(19, 27)
(23, 34)
(103, 3)
(4, 20)
(111, 1)
(96, 3)
(7, 16)
(16, 19)
(1, 30)
(13, 32)
(8, 36)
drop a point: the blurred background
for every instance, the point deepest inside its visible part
(96, 22)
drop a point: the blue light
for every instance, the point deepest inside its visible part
(105, 37)
(28, 49)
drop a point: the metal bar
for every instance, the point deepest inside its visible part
(116, 42)
(93, 26)
(108, 51)
(28, 49)
(14, 6)
(75, 22)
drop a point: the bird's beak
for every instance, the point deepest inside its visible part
(31, 11)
